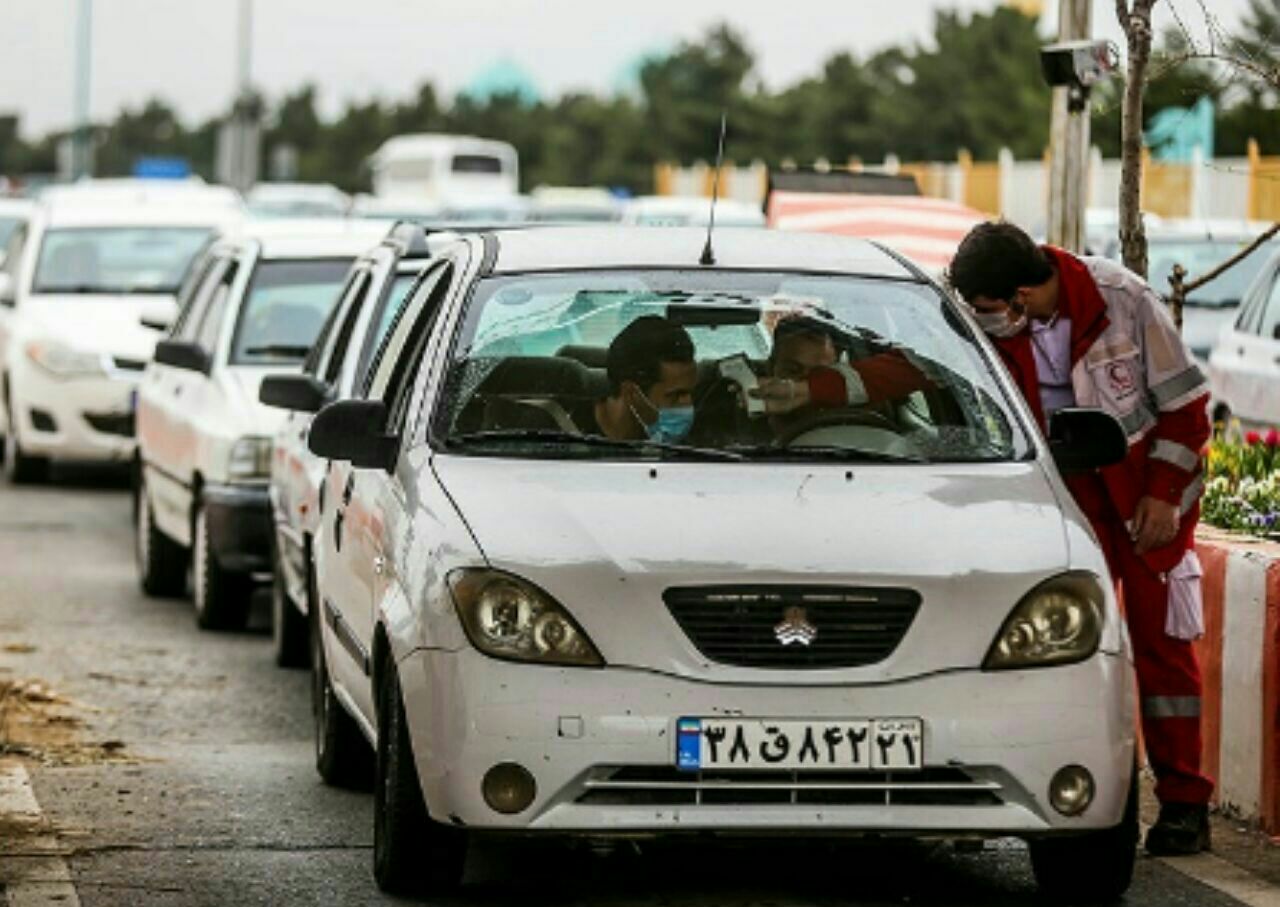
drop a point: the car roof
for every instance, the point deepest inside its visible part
(16, 207)
(617, 247)
(136, 202)
(311, 237)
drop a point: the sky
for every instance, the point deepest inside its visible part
(184, 51)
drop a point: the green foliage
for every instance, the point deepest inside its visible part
(1242, 492)
(974, 85)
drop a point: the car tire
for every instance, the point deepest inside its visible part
(162, 562)
(221, 596)
(19, 468)
(289, 639)
(343, 755)
(412, 853)
(1096, 867)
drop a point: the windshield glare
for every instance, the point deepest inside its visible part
(116, 259)
(286, 305)
(544, 360)
(1199, 256)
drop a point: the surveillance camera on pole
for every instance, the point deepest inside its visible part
(1078, 65)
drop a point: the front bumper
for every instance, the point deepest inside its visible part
(601, 747)
(76, 419)
(239, 526)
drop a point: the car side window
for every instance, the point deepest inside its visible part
(1271, 313)
(400, 390)
(1250, 316)
(333, 367)
(13, 250)
(190, 316)
(324, 340)
(388, 361)
(211, 321)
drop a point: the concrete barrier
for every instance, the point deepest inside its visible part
(1240, 661)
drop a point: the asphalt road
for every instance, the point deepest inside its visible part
(174, 767)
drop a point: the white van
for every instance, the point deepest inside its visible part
(82, 304)
(444, 167)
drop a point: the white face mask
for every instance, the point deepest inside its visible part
(998, 324)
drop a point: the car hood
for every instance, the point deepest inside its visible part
(97, 323)
(606, 539)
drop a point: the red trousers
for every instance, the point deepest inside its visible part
(1169, 687)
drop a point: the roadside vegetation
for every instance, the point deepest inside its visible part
(1243, 488)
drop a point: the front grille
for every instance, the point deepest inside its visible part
(129, 365)
(111, 423)
(664, 786)
(738, 625)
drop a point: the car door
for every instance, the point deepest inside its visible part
(354, 535)
(159, 410)
(1247, 356)
(296, 471)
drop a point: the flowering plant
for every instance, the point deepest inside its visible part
(1242, 489)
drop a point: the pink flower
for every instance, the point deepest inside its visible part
(1252, 438)
(1272, 438)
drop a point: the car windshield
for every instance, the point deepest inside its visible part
(601, 364)
(116, 259)
(286, 305)
(1201, 255)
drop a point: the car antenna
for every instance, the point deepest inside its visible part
(708, 254)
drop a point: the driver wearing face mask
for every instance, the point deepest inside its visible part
(652, 374)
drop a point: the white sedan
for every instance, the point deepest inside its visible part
(553, 605)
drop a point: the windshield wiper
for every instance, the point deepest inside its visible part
(281, 350)
(564, 437)
(800, 454)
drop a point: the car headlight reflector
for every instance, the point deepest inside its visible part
(1058, 622)
(63, 361)
(507, 617)
(250, 459)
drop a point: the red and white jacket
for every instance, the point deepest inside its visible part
(1127, 359)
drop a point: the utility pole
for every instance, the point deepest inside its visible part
(238, 151)
(82, 130)
(1069, 142)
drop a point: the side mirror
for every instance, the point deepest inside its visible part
(354, 430)
(183, 354)
(1275, 332)
(1085, 439)
(8, 295)
(304, 393)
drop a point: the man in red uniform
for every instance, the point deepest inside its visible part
(1085, 331)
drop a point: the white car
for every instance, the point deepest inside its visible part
(689, 211)
(253, 308)
(15, 214)
(297, 200)
(336, 369)
(1244, 366)
(79, 306)
(877, 619)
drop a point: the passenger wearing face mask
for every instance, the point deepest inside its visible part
(1082, 331)
(652, 374)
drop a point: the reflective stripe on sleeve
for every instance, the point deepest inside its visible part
(1178, 454)
(1171, 707)
(1180, 385)
(853, 385)
(1192, 493)
(1137, 423)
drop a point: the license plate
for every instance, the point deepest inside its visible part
(871, 744)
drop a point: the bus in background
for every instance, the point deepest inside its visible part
(444, 168)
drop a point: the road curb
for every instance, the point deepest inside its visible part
(1240, 663)
(32, 871)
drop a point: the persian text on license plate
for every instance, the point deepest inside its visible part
(873, 744)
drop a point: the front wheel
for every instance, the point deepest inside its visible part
(412, 853)
(162, 562)
(343, 756)
(288, 624)
(221, 596)
(19, 467)
(1096, 867)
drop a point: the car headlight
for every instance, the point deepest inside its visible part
(250, 459)
(1057, 622)
(506, 617)
(64, 361)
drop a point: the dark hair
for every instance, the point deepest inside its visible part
(995, 259)
(797, 326)
(639, 350)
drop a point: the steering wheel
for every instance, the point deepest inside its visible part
(825, 418)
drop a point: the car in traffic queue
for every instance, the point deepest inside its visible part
(1244, 365)
(15, 214)
(336, 368)
(766, 626)
(252, 308)
(84, 287)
